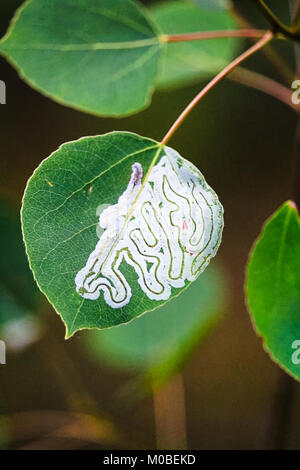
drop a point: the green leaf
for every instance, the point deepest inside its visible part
(19, 296)
(116, 225)
(162, 339)
(189, 61)
(273, 287)
(98, 56)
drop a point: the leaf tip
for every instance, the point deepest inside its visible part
(292, 205)
(69, 333)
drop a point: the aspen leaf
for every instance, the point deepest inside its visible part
(117, 225)
(273, 287)
(98, 56)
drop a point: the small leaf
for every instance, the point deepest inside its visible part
(98, 56)
(162, 339)
(184, 62)
(273, 287)
(115, 226)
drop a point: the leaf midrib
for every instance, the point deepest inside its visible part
(154, 159)
(281, 249)
(124, 45)
(130, 211)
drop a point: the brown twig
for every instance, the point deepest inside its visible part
(262, 83)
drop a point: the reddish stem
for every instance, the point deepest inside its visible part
(235, 33)
(261, 43)
(265, 84)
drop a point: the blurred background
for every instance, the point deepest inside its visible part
(202, 379)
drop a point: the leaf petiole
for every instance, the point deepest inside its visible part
(267, 37)
(262, 83)
(227, 33)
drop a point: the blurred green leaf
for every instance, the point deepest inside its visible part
(162, 339)
(101, 266)
(189, 61)
(213, 4)
(273, 287)
(96, 56)
(10, 309)
(19, 295)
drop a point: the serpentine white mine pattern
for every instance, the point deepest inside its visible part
(168, 234)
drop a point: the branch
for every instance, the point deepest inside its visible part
(277, 25)
(265, 84)
(296, 23)
(271, 54)
(256, 47)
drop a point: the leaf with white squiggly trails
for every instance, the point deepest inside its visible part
(161, 225)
